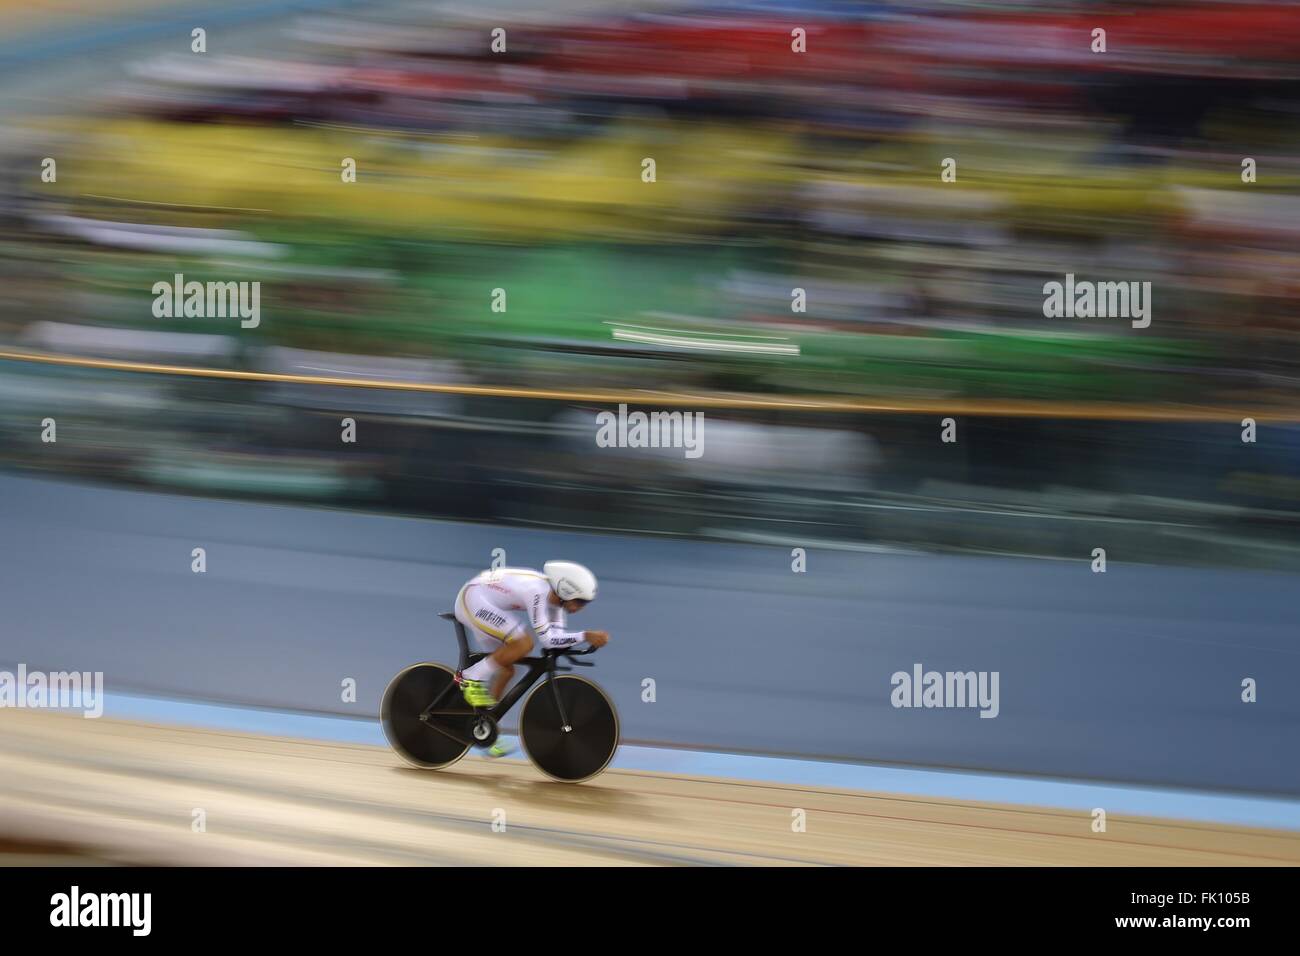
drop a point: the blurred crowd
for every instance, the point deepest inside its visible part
(798, 236)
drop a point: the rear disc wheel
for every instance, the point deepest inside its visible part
(416, 741)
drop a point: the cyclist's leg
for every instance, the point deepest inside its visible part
(503, 660)
(499, 636)
(505, 656)
(485, 682)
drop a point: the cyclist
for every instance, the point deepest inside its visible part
(512, 609)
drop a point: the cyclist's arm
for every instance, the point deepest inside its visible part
(547, 633)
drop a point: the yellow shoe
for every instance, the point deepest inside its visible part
(476, 694)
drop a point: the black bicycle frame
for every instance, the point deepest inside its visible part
(537, 666)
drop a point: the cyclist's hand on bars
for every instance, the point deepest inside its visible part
(596, 638)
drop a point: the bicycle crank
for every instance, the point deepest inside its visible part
(484, 730)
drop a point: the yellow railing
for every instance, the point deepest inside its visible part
(1010, 408)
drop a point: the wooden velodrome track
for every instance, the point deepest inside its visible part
(122, 792)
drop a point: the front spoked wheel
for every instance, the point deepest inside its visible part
(582, 749)
(409, 694)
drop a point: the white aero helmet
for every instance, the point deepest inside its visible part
(570, 581)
